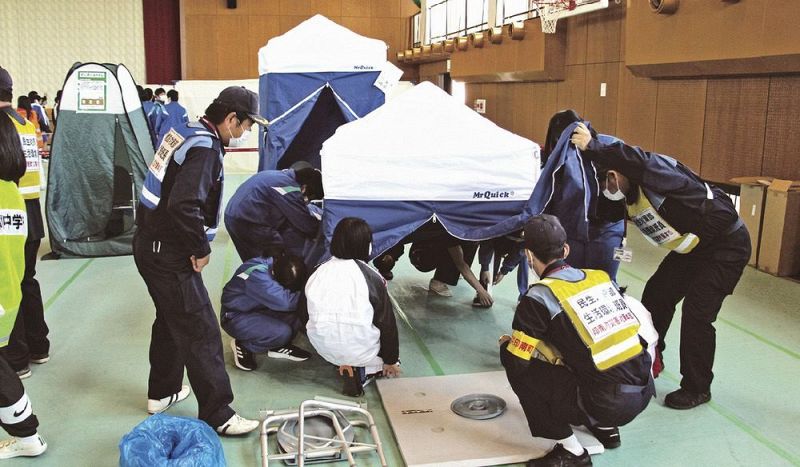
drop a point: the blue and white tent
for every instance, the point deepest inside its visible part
(425, 155)
(313, 79)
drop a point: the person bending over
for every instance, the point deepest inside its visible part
(271, 209)
(259, 309)
(575, 356)
(708, 245)
(350, 316)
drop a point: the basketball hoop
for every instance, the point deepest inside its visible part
(549, 10)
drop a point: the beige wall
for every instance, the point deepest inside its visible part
(42, 39)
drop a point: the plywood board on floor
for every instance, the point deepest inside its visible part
(432, 435)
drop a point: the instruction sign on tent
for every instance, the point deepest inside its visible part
(92, 91)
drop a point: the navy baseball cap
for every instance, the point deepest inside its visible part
(544, 235)
(240, 99)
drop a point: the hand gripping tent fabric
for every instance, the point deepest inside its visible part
(424, 155)
(313, 79)
(98, 161)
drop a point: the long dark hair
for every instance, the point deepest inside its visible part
(12, 159)
(352, 238)
(24, 102)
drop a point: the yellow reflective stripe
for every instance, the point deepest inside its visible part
(618, 353)
(683, 245)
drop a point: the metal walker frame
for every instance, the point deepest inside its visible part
(312, 408)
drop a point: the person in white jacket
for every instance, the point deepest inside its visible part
(351, 320)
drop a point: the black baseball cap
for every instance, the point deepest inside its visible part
(6, 83)
(545, 236)
(240, 99)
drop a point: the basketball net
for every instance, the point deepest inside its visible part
(548, 13)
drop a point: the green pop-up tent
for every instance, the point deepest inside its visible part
(98, 161)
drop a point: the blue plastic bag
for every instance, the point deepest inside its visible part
(164, 440)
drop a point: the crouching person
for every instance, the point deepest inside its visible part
(259, 309)
(575, 356)
(350, 316)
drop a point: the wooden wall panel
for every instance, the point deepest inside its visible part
(572, 91)
(636, 109)
(504, 112)
(523, 109)
(261, 29)
(706, 38)
(385, 8)
(577, 35)
(231, 53)
(358, 24)
(330, 8)
(733, 140)
(602, 111)
(199, 62)
(680, 113)
(603, 34)
(782, 139)
(297, 7)
(355, 8)
(261, 20)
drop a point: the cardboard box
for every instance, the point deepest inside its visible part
(752, 195)
(779, 252)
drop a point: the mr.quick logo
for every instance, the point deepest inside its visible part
(492, 194)
(363, 67)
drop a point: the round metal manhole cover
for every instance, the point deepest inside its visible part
(479, 406)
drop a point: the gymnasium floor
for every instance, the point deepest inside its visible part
(93, 389)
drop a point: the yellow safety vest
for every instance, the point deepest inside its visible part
(657, 230)
(13, 232)
(30, 183)
(603, 321)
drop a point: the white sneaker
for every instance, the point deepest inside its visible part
(157, 406)
(237, 425)
(439, 288)
(15, 447)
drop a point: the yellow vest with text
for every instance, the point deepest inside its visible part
(13, 233)
(30, 183)
(605, 324)
(657, 230)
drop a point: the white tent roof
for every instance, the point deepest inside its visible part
(320, 45)
(425, 145)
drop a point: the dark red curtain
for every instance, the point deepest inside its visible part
(162, 40)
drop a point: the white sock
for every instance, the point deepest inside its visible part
(572, 445)
(32, 439)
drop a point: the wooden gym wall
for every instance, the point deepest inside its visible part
(723, 126)
(222, 43)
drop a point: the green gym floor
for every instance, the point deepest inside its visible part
(93, 389)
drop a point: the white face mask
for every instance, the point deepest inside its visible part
(616, 196)
(240, 141)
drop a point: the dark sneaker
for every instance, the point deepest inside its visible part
(243, 358)
(351, 381)
(40, 358)
(560, 457)
(608, 437)
(683, 399)
(289, 352)
(25, 372)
